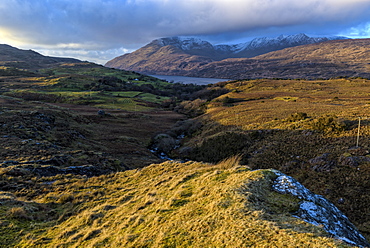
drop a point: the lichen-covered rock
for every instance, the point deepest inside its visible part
(316, 210)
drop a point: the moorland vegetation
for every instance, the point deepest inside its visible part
(76, 170)
(308, 129)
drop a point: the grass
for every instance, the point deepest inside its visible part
(267, 105)
(286, 125)
(180, 205)
(279, 124)
(87, 84)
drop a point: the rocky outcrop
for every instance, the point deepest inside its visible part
(316, 210)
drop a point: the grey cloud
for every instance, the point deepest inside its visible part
(108, 24)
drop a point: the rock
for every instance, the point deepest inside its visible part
(164, 142)
(353, 161)
(47, 171)
(322, 163)
(348, 161)
(10, 162)
(87, 170)
(17, 172)
(341, 201)
(358, 151)
(101, 112)
(316, 210)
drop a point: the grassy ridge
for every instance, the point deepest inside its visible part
(177, 205)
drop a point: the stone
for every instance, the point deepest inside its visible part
(348, 161)
(322, 163)
(315, 209)
(86, 170)
(101, 112)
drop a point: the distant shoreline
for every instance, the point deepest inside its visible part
(189, 80)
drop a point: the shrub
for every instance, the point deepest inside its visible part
(297, 117)
(192, 108)
(164, 142)
(223, 146)
(328, 124)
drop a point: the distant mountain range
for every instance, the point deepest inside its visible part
(261, 57)
(249, 49)
(28, 59)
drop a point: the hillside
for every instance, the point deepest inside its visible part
(78, 164)
(306, 129)
(166, 205)
(195, 57)
(156, 58)
(346, 58)
(28, 59)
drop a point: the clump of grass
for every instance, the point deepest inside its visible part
(18, 213)
(297, 117)
(223, 145)
(328, 124)
(286, 98)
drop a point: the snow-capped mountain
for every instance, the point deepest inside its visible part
(193, 56)
(249, 49)
(185, 43)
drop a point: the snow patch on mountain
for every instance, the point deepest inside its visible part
(189, 43)
(185, 43)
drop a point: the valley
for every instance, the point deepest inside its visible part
(76, 169)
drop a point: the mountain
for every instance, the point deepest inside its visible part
(28, 59)
(179, 56)
(346, 58)
(264, 45)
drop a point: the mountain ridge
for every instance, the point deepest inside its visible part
(179, 55)
(28, 59)
(256, 46)
(326, 59)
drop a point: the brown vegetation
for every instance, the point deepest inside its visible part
(307, 129)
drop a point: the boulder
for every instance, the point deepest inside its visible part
(315, 209)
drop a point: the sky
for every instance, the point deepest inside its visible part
(99, 30)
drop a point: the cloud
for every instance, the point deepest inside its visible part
(360, 31)
(102, 25)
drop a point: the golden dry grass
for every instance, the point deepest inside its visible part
(265, 103)
(182, 205)
(284, 124)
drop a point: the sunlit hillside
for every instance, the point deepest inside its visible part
(307, 129)
(164, 205)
